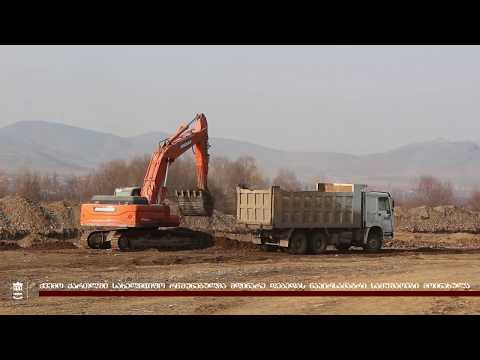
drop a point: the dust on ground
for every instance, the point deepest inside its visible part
(221, 263)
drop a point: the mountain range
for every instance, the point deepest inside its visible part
(48, 146)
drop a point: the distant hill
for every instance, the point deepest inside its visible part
(48, 146)
(51, 146)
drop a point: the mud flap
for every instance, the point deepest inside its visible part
(194, 202)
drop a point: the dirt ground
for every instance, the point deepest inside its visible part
(411, 258)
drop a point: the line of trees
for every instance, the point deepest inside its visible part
(224, 176)
(431, 191)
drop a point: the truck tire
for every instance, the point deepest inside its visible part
(374, 242)
(298, 243)
(318, 242)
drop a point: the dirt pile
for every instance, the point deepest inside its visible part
(440, 219)
(25, 216)
(227, 243)
(30, 222)
(408, 240)
(65, 214)
(217, 222)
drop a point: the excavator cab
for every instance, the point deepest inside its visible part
(128, 191)
(190, 202)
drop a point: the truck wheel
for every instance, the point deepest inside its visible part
(374, 242)
(318, 242)
(298, 243)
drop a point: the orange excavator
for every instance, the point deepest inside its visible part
(135, 215)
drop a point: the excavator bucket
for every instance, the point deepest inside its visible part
(194, 202)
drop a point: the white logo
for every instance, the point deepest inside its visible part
(17, 288)
(104, 209)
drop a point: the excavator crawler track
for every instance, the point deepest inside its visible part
(163, 239)
(141, 239)
(93, 239)
(112, 239)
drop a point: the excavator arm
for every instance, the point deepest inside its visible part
(155, 182)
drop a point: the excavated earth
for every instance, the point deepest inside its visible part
(25, 223)
(440, 245)
(440, 219)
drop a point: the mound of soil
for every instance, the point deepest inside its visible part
(227, 243)
(29, 222)
(66, 214)
(440, 219)
(217, 222)
(434, 241)
(26, 216)
(37, 241)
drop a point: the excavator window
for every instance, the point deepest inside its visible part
(130, 191)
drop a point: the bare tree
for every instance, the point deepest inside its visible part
(182, 175)
(27, 184)
(432, 192)
(225, 175)
(4, 183)
(474, 200)
(136, 169)
(245, 170)
(403, 198)
(287, 180)
(109, 176)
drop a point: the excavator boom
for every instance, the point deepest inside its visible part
(154, 184)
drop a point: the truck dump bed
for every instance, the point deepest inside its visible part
(331, 205)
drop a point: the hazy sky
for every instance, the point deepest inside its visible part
(356, 99)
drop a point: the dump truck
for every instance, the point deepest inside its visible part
(342, 215)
